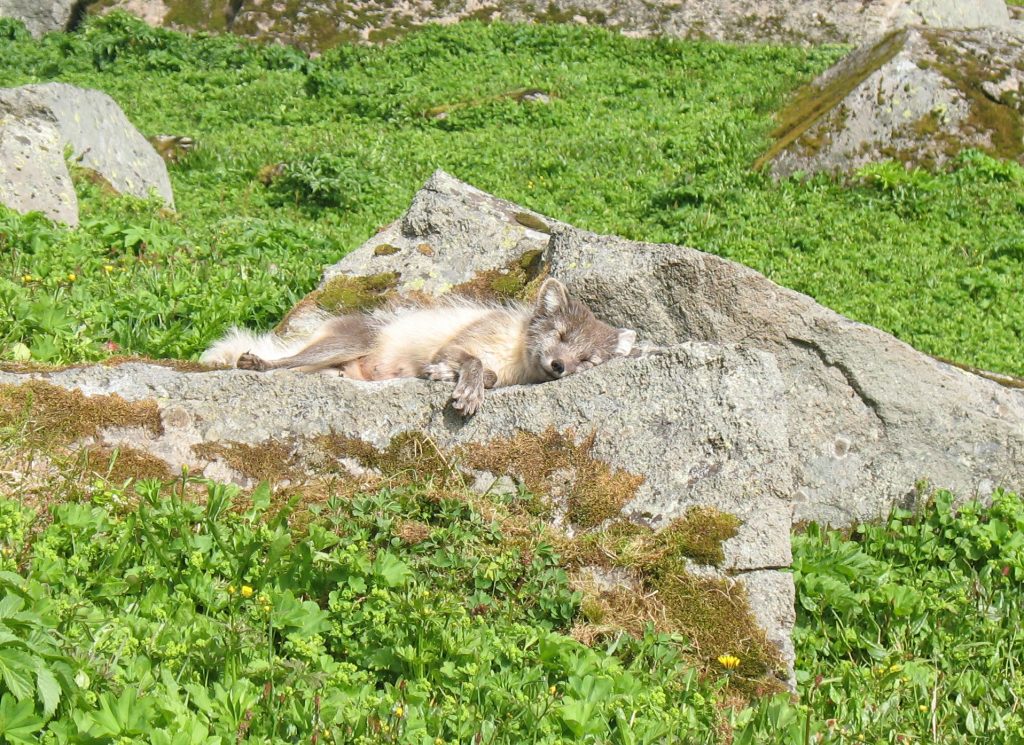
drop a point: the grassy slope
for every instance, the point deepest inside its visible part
(662, 134)
(905, 634)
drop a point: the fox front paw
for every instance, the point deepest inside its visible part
(468, 397)
(249, 361)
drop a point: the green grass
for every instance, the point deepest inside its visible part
(409, 615)
(170, 613)
(191, 623)
(661, 132)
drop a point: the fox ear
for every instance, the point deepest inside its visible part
(627, 338)
(552, 297)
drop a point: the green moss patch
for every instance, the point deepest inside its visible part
(812, 103)
(1001, 123)
(347, 294)
(699, 535)
(517, 280)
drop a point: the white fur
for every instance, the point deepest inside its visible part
(627, 338)
(237, 342)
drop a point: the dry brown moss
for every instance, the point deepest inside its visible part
(269, 461)
(412, 531)
(410, 456)
(116, 361)
(714, 614)
(122, 464)
(55, 416)
(553, 464)
(711, 611)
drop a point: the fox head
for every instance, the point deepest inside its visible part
(565, 337)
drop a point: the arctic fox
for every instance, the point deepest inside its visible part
(474, 345)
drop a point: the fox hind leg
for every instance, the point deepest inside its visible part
(336, 343)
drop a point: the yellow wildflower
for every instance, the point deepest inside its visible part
(553, 690)
(246, 591)
(399, 711)
(108, 268)
(922, 707)
(72, 276)
(231, 589)
(729, 662)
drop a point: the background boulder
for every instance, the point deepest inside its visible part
(33, 173)
(918, 96)
(40, 16)
(316, 24)
(100, 136)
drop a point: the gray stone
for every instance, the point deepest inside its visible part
(451, 232)
(39, 16)
(869, 415)
(33, 174)
(914, 96)
(99, 134)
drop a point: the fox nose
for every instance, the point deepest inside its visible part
(557, 367)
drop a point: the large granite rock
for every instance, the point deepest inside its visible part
(40, 16)
(919, 95)
(318, 24)
(32, 170)
(870, 416)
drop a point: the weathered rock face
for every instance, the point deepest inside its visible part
(316, 24)
(38, 121)
(39, 16)
(430, 248)
(918, 95)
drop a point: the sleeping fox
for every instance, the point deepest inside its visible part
(476, 346)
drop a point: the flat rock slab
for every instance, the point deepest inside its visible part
(919, 96)
(704, 425)
(99, 135)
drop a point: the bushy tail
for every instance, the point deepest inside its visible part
(236, 342)
(268, 346)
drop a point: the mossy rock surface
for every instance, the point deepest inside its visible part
(918, 96)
